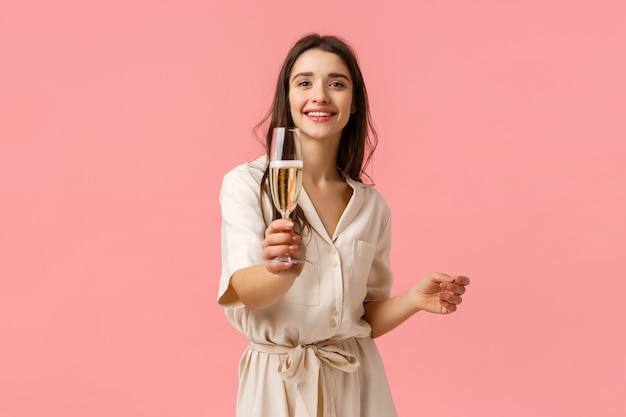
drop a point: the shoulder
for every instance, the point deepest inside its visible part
(370, 194)
(374, 212)
(247, 173)
(240, 194)
(242, 183)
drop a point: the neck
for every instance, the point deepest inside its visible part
(320, 162)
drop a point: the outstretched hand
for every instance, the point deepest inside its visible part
(281, 239)
(439, 293)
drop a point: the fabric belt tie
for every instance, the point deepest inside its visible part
(302, 365)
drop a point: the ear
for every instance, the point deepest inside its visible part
(353, 109)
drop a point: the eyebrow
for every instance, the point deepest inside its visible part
(330, 75)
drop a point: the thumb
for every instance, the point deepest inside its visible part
(439, 277)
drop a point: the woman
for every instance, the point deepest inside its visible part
(311, 326)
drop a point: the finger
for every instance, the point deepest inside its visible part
(285, 238)
(451, 288)
(450, 298)
(278, 226)
(461, 280)
(439, 277)
(273, 251)
(447, 308)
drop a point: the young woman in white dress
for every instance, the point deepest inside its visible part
(311, 326)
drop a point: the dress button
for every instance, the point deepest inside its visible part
(333, 252)
(335, 312)
(333, 323)
(334, 263)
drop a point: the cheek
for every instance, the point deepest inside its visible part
(293, 103)
(349, 106)
(293, 111)
(348, 102)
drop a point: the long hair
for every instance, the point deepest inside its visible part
(358, 138)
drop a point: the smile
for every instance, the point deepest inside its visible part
(319, 114)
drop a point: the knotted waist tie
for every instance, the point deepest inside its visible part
(302, 365)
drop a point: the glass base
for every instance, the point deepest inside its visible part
(286, 259)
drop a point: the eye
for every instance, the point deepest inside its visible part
(337, 84)
(304, 83)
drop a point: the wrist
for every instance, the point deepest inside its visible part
(416, 298)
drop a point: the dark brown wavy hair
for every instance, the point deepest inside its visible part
(359, 137)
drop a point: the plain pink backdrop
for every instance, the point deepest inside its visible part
(502, 130)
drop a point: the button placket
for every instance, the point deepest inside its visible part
(335, 312)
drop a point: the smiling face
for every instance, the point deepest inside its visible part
(320, 94)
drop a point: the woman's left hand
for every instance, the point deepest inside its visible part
(439, 293)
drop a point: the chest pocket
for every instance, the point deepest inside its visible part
(362, 263)
(306, 288)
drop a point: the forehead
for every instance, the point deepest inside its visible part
(319, 62)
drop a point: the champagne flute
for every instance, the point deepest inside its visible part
(286, 175)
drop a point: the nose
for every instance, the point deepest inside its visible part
(319, 94)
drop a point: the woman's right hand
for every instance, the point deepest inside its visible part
(280, 239)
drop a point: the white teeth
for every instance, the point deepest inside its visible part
(319, 113)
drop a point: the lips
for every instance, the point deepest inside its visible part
(319, 115)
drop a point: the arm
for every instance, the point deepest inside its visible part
(260, 286)
(435, 293)
(247, 242)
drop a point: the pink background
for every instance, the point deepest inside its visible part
(502, 127)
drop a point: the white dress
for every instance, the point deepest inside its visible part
(311, 354)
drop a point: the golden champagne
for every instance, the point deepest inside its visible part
(286, 183)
